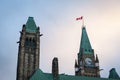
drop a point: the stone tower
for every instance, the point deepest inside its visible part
(87, 64)
(29, 48)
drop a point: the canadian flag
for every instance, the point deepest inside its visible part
(79, 18)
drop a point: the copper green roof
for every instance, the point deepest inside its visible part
(85, 45)
(30, 25)
(39, 75)
(113, 74)
(70, 77)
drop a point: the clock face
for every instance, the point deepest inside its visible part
(88, 61)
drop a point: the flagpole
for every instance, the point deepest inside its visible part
(82, 21)
(81, 18)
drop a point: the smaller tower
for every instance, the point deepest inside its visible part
(55, 70)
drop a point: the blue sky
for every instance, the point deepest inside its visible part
(61, 31)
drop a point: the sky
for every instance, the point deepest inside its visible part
(61, 32)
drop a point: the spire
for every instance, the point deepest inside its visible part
(85, 45)
(97, 62)
(30, 25)
(113, 74)
(97, 58)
